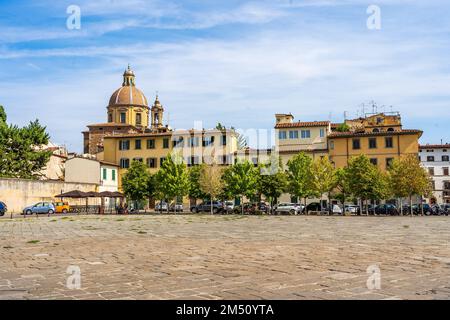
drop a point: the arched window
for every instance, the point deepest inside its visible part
(390, 129)
(376, 130)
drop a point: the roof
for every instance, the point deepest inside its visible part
(109, 124)
(303, 150)
(108, 163)
(253, 151)
(303, 124)
(369, 134)
(168, 133)
(128, 95)
(435, 146)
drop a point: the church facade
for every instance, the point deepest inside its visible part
(135, 131)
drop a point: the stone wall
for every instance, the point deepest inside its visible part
(19, 193)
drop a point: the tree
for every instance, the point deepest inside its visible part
(195, 191)
(211, 181)
(361, 174)
(136, 182)
(2, 115)
(323, 177)
(22, 149)
(409, 178)
(343, 127)
(380, 187)
(173, 178)
(241, 180)
(272, 180)
(299, 176)
(342, 185)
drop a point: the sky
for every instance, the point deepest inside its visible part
(234, 62)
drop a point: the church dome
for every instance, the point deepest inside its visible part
(128, 94)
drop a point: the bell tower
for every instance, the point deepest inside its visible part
(157, 112)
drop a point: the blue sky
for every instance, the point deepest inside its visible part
(237, 62)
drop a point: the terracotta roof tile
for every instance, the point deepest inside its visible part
(435, 146)
(367, 134)
(303, 124)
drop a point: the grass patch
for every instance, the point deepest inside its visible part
(53, 220)
(142, 232)
(33, 241)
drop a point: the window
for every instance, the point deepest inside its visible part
(166, 143)
(110, 117)
(293, 134)
(433, 185)
(356, 144)
(223, 159)
(178, 142)
(431, 171)
(193, 141)
(332, 145)
(390, 130)
(161, 161)
(137, 144)
(445, 171)
(376, 130)
(224, 140)
(282, 135)
(124, 163)
(430, 150)
(138, 119)
(322, 133)
(192, 161)
(151, 144)
(123, 117)
(255, 161)
(430, 158)
(389, 142)
(151, 162)
(105, 175)
(138, 159)
(113, 175)
(124, 144)
(372, 143)
(374, 161)
(445, 158)
(306, 134)
(389, 162)
(208, 141)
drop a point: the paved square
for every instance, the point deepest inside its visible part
(225, 257)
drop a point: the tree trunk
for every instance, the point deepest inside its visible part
(367, 207)
(401, 207)
(306, 209)
(421, 205)
(361, 206)
(410, 205)
(211, 202)
(242, 205)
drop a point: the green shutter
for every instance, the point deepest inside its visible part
(113, 175)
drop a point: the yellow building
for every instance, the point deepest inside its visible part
(380, 137)
(135, 131)
(294, 137)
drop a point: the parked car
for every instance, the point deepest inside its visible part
(40, 207)
(288, 208)
(427, 209)
(61, 207)
(249, 208)
(388, 209)
(3, 208)
(228, 206)
(313, 206)
(176, 207)
(335, 209)
(445, 208)
(206, 207)
(161, 206)
(353, 209)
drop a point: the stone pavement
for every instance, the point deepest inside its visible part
(225, 257)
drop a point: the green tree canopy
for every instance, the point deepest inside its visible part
(241, 179)
(173, 177)
(323, 177)
(299, 176)
(136, 182)
(272, 180)
(23, 155)
(194, 182)
(211, 182)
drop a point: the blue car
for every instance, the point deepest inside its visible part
(3, 208)
(40, 207)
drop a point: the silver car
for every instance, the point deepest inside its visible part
(40, 208)
(288, 208)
